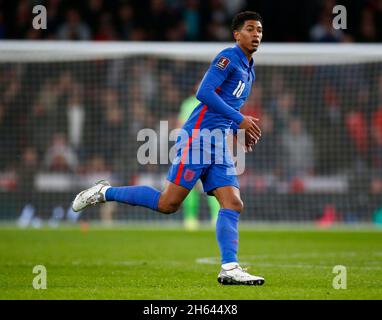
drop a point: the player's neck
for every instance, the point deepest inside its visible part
(246, 52)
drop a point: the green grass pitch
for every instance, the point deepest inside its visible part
(131, 263)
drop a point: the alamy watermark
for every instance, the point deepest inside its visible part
(340, 280)
(39, 281)
(40, 20)
(200, 146)
(340, 20)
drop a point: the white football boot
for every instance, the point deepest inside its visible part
(90, 196)
(238, 275)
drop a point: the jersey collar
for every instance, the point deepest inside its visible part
(242, 56)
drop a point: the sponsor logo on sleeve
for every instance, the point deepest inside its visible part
(223, 63)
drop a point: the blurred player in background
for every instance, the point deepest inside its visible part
(191, 204)
(222, 92)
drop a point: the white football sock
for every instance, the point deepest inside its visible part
(230, 265)
(103, 191)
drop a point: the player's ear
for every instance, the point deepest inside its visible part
(236, 35)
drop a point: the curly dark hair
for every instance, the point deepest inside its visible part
(239, 20)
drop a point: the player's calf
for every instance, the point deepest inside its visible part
(166, 202)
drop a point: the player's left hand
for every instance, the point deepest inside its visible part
(250, 138)
(249, 147)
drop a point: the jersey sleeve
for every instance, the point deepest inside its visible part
(217, 73)
(221, 66)
(234, 127)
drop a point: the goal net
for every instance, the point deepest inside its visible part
(73, 113)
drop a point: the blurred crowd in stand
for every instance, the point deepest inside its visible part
(84, 117)
(189, 20)
(79, 121)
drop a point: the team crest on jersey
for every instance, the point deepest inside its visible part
(189, 175)
(223, 63)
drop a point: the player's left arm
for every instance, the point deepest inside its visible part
(219, 70)
(207, 94)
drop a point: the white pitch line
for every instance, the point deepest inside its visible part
(216, 261)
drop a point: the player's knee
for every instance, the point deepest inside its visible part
(239, 205)
(168, 207)
(236, 204)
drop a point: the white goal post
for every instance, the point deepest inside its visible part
(268, 54)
